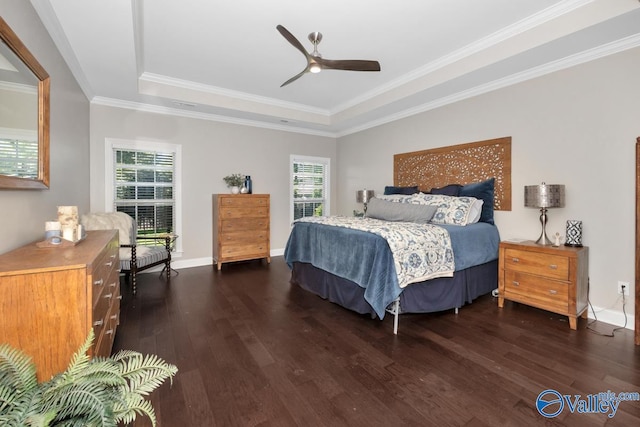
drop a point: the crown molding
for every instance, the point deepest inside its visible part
(44, 9)
(232, 94)
(551, 67)
(478, 46)
(148, 108)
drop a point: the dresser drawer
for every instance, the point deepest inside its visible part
(552, 266)
(105, 270)
(243, 201)
(248, 212)
(242, 237)
(104, 343)
(548, 294)
(101, 310)
(244, 224)
(241, 250)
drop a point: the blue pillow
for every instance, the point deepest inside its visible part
(448, 190)
(484, 191)
(400, 190)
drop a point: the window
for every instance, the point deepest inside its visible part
(19, 153)
(145, 183)
(309, 186)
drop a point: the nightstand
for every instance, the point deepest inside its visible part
(546, 277)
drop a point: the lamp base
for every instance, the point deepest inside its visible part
(543, 240)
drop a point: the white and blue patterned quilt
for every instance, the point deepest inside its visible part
(420, 251)
(382, 257)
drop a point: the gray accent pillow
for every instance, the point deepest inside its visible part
(393, 211)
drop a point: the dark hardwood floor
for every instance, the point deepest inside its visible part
(253, 350)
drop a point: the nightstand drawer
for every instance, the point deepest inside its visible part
(552, 266)
(549, 294)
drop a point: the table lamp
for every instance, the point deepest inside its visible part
(363, 196)
(544, 196)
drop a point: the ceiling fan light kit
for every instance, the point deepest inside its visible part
(315, 61)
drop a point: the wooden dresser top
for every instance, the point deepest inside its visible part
(31, 258)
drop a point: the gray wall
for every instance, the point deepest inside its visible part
(210, 151)
(576, 127)
(23, 213)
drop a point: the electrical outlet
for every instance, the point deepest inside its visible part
(622, 285)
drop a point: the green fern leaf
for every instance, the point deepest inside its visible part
(16, 369)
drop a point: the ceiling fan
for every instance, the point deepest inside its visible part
(315, 61)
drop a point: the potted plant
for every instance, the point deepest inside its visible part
(91, 392)
(234, 181)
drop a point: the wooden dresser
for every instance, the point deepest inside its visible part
(551, 278)
(240, 227)
(51, 297)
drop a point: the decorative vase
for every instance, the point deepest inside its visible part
(235, 189)
(574, 233)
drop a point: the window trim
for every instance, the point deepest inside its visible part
(326, 161)
(109, 191)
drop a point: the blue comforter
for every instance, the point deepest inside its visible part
(365, 258)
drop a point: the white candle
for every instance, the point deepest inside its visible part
(51, 225)
(69, 233)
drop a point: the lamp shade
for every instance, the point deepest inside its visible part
(363, 196)
(544, 196)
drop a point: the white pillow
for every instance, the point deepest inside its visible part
(476, 211)
(451, 210)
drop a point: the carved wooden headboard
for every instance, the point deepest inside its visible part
(458, 164)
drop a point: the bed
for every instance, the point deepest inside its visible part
(362, 264)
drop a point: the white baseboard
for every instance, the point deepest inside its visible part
(199, 262)
(613, 317)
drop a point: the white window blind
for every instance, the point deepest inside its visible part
(145, 188)
(310, 186)
(19, 158)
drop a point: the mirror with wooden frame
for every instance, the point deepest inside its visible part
(24, 116)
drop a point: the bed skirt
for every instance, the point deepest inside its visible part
(424, 297)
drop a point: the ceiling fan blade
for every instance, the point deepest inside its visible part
(291, 39)
(349, 64)
(296, 77)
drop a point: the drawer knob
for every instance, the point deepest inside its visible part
(113, 285)
(553, 267)
(119, 297)
(515, 259)
(109, 332)
(553, 291)
(98, 323)
(515, 283)
(99, 282)
(108, 296)
(114, 317)
(108, 264)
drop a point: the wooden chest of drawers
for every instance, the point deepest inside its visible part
(240, 227)
(51, 297)
(547, 277)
